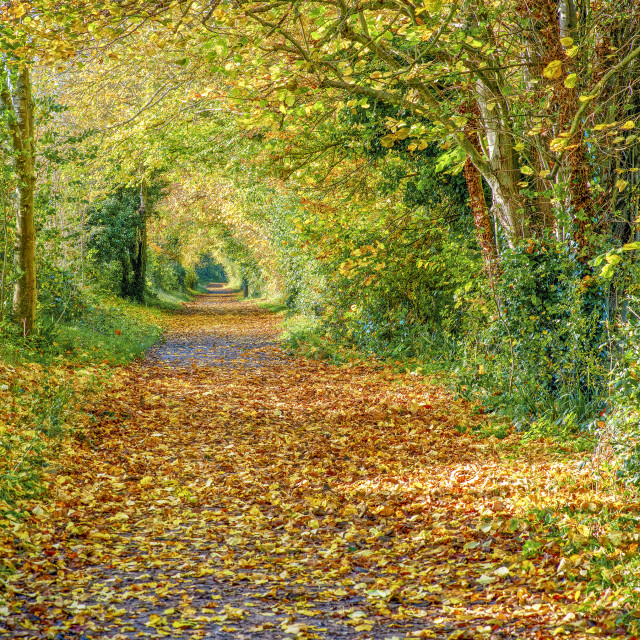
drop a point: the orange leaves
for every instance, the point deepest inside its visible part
(226, 489)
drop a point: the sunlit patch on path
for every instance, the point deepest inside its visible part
(229, 492)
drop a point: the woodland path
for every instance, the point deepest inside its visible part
(228, 491)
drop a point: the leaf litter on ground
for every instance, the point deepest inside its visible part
(227, 491)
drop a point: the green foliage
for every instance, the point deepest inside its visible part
(622, 431)
(59, 298)
(110, 330)
(47, 380)
(118, 240)
(44, 405)
(208, 270)
(392, 282)
(542, 351)
(421, 174)
(167, 274)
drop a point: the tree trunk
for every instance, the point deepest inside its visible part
(556, 21)
(477, 202)
(15, 97)
(139, 259)
(481, 217)
(502, 172)
(5, 250)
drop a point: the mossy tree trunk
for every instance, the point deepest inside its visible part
(139, 257)
(17, 102)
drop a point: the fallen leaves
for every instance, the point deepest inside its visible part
(251, 494)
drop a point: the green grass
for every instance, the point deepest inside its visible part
(274, 306)
(113, 331)
(169, 300)
(200, 288)
(110, 331)
(599, 544)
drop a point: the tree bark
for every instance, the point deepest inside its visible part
(481, 217)
(139, 260)
(477, 202)
(16, 99)
(5, 250)
(502, 172)
(556, 21)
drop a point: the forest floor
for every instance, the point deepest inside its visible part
(229, 491)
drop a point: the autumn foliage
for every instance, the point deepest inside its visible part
(249, 492)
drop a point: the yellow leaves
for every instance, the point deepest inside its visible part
(420, 145)
(388, 140)
(119, 517)
(566, 42)
(629, 124)
(571, 81)
(360, 489)
(424, 633)
(294, 629)
(156, 621)
(616, 538)
(621, 184)
(558, 144)
(18, 10)
(185, 624)
(473, 42)
(553, 70)
(432, 5)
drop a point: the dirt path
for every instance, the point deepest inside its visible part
(244, 336)
(227, 491)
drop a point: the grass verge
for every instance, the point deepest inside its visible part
(275, 306)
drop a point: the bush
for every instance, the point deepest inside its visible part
(208, 270)
(59, 298)
(544, 350)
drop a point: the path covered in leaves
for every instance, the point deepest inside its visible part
(227, 491)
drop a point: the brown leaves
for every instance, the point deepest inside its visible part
(289, 498)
